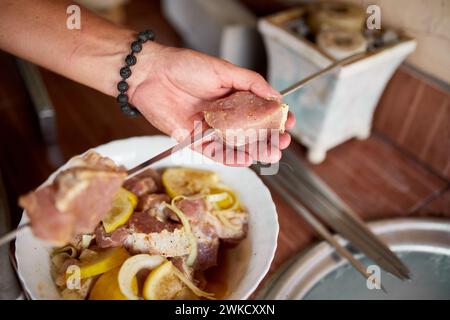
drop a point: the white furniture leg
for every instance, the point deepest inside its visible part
(363, 133)
(316, 155)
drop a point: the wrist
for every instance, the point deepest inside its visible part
(145, 60)
(99, 60)
(125, 93)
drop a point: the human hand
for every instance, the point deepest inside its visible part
(174, 85)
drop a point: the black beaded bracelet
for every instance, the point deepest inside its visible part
(125, 72)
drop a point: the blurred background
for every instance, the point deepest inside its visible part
(398, 165)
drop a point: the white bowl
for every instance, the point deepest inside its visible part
(249, 261)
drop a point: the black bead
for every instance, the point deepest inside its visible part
(125, 72)
(122, 86)
(125, 107)
(150, 35)
(130, 60)
(142, 36)
(122, 98)
(133, 112)
(129, 110)
(136, 46)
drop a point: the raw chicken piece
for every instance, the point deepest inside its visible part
(77, 199)
(242, 112)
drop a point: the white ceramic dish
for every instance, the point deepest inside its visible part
(250, 260)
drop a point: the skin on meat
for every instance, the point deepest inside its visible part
(77, 199)
(240, 116)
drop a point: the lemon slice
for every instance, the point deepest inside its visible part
(102, 262)
(122, 208)
(167, 282)
(163, 284)
(226, 201)
(131, 267)
(107, 287)
(186, 182)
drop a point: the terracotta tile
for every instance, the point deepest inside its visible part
(395, 104)
(439, 206)
(426, 136)
(437, 153)
(414, 113)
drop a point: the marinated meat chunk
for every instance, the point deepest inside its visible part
(207, 241)
(234, 115)
(146, 182)
(47, 221)
(181, 264)
(77, 199)
(147, 222)
(207, 254)
(146, 232)
(113, 239)
(235, 230)
(60, 276)
(203, 216)
(149, 201)
(165, 243)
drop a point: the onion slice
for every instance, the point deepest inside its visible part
(217, 197)
(187, 227)
(131, 267)
(196, 290)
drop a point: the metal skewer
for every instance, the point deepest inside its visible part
(190, 141)
(326, 70)
(281, 187)
(333, 212)
(9, 236)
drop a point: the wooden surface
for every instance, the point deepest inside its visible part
(375, 177)
(415, 114)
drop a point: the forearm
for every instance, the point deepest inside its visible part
(92, 55)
